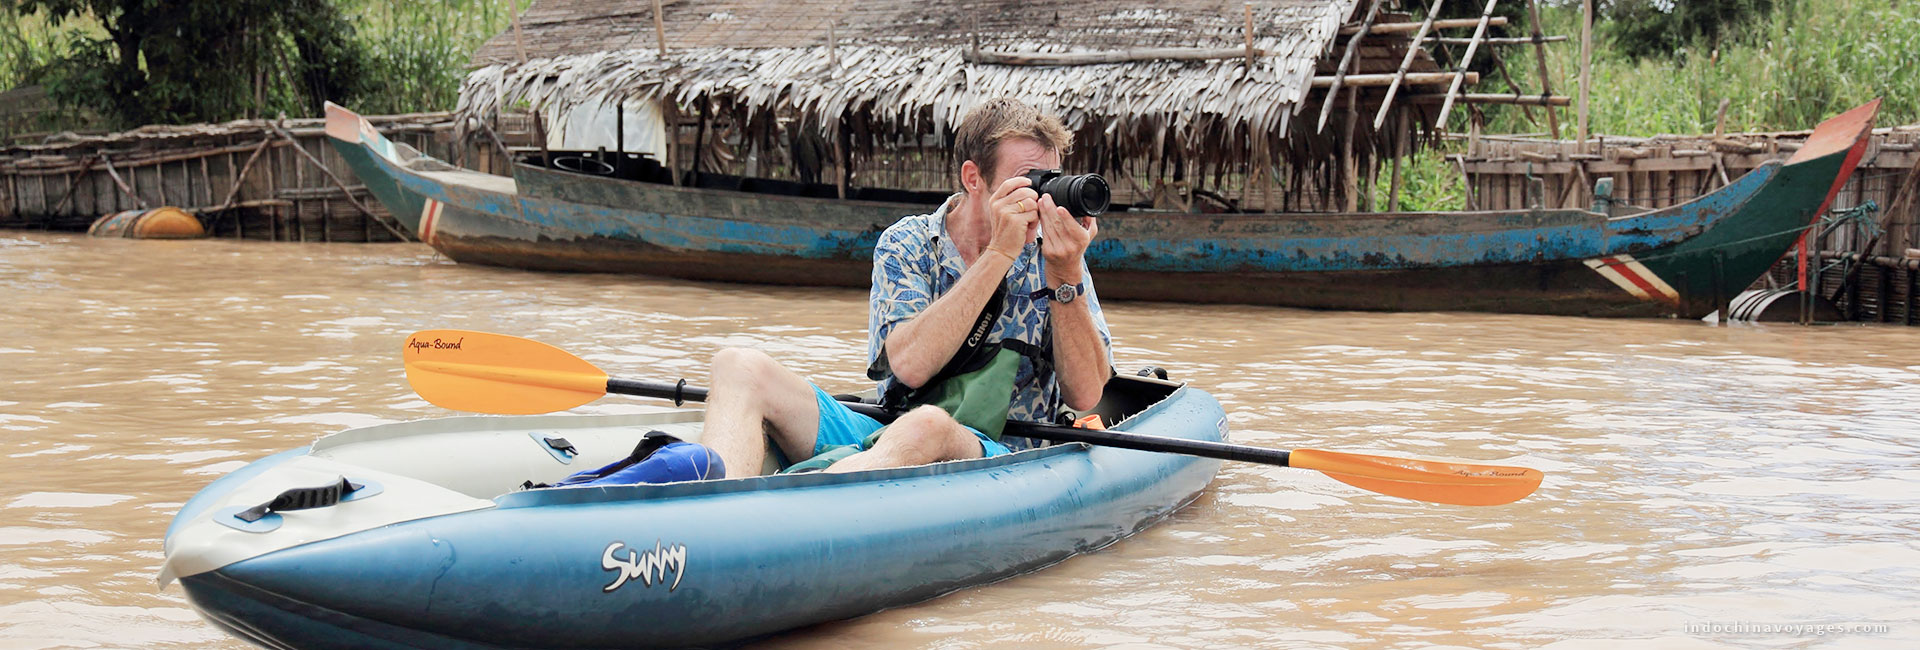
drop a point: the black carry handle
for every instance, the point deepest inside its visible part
(300, 499)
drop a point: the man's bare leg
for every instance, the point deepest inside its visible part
(923, 435)
(753, 398)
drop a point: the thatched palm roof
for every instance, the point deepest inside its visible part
(901, 67)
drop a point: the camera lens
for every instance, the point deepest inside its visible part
(1086, 195)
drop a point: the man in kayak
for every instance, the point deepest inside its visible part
(998, 256)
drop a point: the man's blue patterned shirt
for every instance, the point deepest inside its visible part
(915, 263)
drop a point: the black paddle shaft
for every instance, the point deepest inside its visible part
(682, 393)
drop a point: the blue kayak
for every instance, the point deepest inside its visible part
(422, 534)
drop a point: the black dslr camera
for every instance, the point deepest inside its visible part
(1085, 195)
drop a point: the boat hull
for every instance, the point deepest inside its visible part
(689, 564)
(1680, 261)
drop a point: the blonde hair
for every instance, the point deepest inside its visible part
(987, 125)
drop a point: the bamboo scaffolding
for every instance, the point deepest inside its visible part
(1466, 61)
(1346, 60)
(1400, 75)
(1413, 78)
(1402, 28)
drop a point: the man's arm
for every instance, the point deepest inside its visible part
(1080, 356)
(918, 348)
(921, 346)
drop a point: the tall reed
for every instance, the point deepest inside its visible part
(419, 49)
(1805, 63)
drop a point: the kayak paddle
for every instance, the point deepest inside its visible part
(483, 372)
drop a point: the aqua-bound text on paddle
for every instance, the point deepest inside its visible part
(647, 566)
(417, 345)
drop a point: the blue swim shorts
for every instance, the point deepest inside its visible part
(839, 425)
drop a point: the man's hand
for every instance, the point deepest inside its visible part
(1015, 209)
(1063, 242)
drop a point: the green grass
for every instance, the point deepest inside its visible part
(1428, 183)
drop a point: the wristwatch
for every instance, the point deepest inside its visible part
(1067, 292)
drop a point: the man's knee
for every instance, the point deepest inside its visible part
(740, 359)
(925, 434)
(742, 368)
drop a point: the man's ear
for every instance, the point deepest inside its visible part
(970, 178)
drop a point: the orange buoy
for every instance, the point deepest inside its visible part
(159, 223)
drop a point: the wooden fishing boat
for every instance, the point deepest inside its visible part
(420, 547)
(1681, 261)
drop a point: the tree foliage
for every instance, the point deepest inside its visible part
(1660, 28)
(164, 61)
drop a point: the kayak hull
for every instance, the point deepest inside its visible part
(707, 562)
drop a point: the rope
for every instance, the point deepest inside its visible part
(1860, 214)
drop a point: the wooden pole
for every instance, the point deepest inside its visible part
(73, 183)
(505, 152)
(1399, 76)
(1401, 134)
(1501, 63)
(337, 183)
(206, 182)
(1720, 118)
(840, 160)
(1351, 166)
(1402, 28)
(242, 176)
(671, 113)
(519, 41)
(1540, 57)
(1249, 71)
(700, 138)
(1494, 98)
(123, 184)
(660, 27)
(1518, 40)
(833, 53)
(1346, 63)
(1586, 64)
(1412, 79)
(1465, 61)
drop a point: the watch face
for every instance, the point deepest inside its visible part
(1066, 293)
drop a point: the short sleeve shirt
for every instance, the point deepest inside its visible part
(915, 263)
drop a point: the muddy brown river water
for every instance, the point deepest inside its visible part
(1746, 486)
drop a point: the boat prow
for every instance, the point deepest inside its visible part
(416, 189)
(431, 541)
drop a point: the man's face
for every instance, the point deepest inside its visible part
(1019, 156)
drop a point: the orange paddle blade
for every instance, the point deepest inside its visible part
(1462, 484)
(493, 373)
